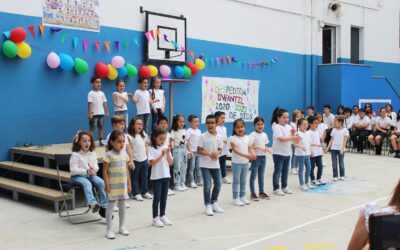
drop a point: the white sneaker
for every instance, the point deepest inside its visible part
(304, 187)
(110, 235)
(147, 196)
(226, 180)
(200, 183)
(245, 201)
(209, 210)
(279, 192)
(310, 186)
(127, 205)
(115, 209)
(193, 184)
(157, 222)
(293, 171)
(287, 190)
(170, 192)
(138, 197)
(184, 187)
(237, 202)
(341, 178)
(216, 208)
(166, 221)
(315, 182)
(335, 179)
(178, 188)
(319, 182)
(123, 231)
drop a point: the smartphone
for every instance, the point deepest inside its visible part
(384, 231)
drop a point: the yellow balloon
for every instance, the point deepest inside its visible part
(113, 72)
(153, 70)
(24, 50)
(199, 63)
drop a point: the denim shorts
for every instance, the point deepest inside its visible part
(99, 119)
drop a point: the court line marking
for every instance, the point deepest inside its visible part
(303, 225)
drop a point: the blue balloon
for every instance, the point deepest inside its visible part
(122, 72)
(179, 72)
(66, 61)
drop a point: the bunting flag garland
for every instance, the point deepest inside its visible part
(223, 60)
(158, 33)
(229, 59)
(97, 44)
(165, 38)
(85, 45)
(116, 43)
(32, 30)
(41, 28)
(76, 40)
(55, 29)
(152, 34)
(107, 44)
(7, 34)
(147, 34)
(125, 44)
(136, 41)
(63, 37)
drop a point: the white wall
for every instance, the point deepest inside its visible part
(285, 25)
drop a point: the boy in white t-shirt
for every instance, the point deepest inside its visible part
(209, 148)
(97, 107)
(221, 130)
(192, 136)
(328, 119)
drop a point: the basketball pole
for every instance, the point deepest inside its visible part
(171, 94)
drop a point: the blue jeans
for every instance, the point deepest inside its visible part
(335, 154)
(139, 176)
(304, 161)
(124, 114)
(155, 117)
(145, 119)
(239, 171)
(207, 174)
(160, 189)
(194, 169)
(293, 159)
(281, 170)
(180, 165)
(222, 165)
(317, 160)
(87, 184)
(257, 167)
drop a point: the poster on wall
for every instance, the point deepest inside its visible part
(78, 14)
(238, 98)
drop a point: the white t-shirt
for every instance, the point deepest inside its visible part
(305, 140)
(315, 140)
(328, 120)
(139, 147)
(97, 98)
(393, 116)
(321, 129)
(222, 131)
(192, 137)
(242, 145)
(127, 140)
(260, 140)
(167, 141)
(363, 121)
(209, 143)
(354, 116)
(348, 122)
(143, 104)
(79, 162)
(120, 102)
(161, 168)
(338, 135)
(281, 148)
(293, 125)
(179, 137)
(383, 121)
(158, 95)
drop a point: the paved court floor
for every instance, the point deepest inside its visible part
(320, 219)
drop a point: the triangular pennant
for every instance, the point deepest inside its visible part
(76, 40)
(223, 60)
(107, 44)
(55, 29)
(217, 60)
(136, 41)
(152, 34)
(85, 45)
(234, 59)
(158, 33)
(63, 37)
(191, 53)
(125, 43)
(97, 44)
(32, 30)
(229, 59)
(166, 38)
(7, 34)
(116, 43)
(41, 28)
(147, 34)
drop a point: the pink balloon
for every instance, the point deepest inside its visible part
(118, 62)
(165, 71)
(53, 60)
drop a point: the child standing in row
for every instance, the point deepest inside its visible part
(193, 135)
(303, 152)
(163, 123)
(337, 144)
(160, 160)
(178, 141)
(221, 130)
(283, 137)
(117, 180)
(316, 150)
(97, 107)
(259, 144)
(157, 96)
(209, 148)
(242, 152)
(296, 115)
(120, 99)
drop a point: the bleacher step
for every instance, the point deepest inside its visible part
(35, 170)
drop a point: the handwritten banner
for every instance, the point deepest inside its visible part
(238, 98)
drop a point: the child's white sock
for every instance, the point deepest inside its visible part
(121, 205)
(109, 214)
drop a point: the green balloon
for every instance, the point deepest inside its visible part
(10, 49)
(81, 66)
(188, 72)
(132, 70)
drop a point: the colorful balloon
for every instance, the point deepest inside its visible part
(199, 63)
(10, 49)
(193, 68)
(113, 73)
(179, 72)
(122, 72)
(66, 62)
(102, 70)
(144, 72)
(18, 35)
(24, 50)
(53, 60)
(187, 71)
(118, 62)
(132, 70)
(81, 66)
(153, 70)
(165, 71)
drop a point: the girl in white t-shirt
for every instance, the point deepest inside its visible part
(259, 143)
(120, 99)
(337, 144)
(316, 150)
(157, 95)
(283, 137)
(296, 115)
(242, 152)
(303, 153)
(160, 159)
(178, 141)
(138, 139)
